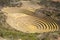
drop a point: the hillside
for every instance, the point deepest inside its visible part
(30, 20)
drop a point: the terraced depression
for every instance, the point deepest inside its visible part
(19, 19)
